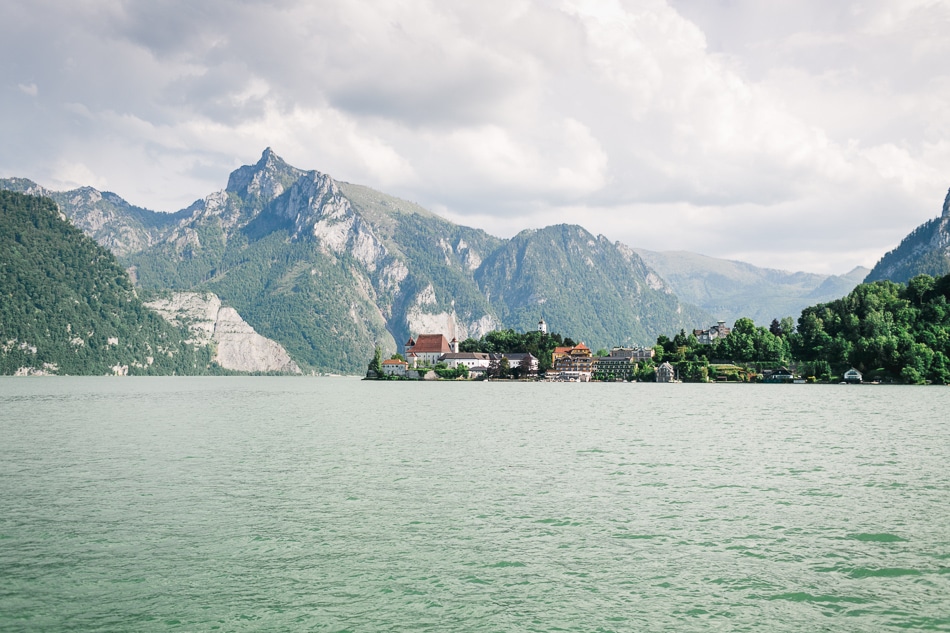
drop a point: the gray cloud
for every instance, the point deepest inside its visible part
(796, 134)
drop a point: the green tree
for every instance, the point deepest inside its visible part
(376, 365)
(690, 371)
(896, 332)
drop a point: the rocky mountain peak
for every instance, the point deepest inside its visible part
(265, 180)
(946, 206)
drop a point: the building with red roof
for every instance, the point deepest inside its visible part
(576, 361)
(395, 367)
(427, 348)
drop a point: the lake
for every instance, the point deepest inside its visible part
(332, 504)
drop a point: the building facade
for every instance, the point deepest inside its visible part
(622, 367)
(665, 373)
(426, 349)
(577, 359)
(470, 359)
(395, 367)
(706, 337)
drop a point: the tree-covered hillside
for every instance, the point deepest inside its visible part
(68, 307)
(889, 332)
(925, 251)
(583, 284)
(883, 329)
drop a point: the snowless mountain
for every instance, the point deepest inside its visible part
(926, 251)
(330, 269)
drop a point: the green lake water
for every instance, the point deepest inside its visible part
(332, 504)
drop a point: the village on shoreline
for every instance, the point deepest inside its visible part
(434, 357)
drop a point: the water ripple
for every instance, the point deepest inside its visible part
(336, 505)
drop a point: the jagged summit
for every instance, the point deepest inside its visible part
(946, 205)
(265, 180)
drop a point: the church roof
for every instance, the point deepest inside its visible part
(431, 344)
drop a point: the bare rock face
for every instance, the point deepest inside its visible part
(238, 346)
(421, 318)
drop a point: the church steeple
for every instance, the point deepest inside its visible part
(542, 326)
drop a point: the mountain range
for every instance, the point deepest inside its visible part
(330, 269)
(732, 290)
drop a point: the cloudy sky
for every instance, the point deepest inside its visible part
(797, 134)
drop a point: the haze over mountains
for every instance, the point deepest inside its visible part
(731, 289)
(330, 269)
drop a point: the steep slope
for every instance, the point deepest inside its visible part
(328, 269)
(236, 345)
(114, 223)
(584, 286)
(731, 290)
(926, 251)
(68, 307)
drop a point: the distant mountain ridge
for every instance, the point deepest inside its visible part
(731, 289)
(925, 251)
(102, 215)
(583, 284)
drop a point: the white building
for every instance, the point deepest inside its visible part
(853, 375)
(469, 359)
(395, 367)
(706, 337)
(520, 360)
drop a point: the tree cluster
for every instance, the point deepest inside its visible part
(888, 331)
(538, 344)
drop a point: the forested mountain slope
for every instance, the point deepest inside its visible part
(592, 288)
(926, 251)
(884, 329)
(68, 307)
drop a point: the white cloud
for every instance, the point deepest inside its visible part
(688, 124)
